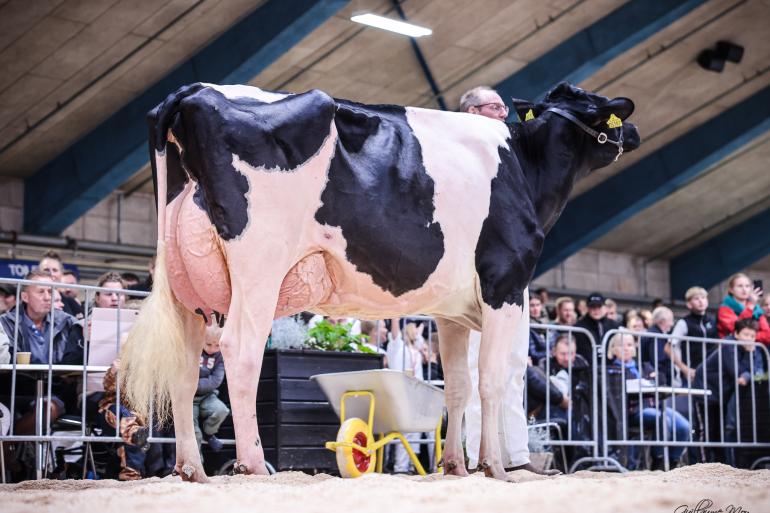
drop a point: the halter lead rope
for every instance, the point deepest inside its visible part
(600, 137)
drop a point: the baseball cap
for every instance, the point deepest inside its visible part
(595, 299)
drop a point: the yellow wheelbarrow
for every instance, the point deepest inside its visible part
(392, 403)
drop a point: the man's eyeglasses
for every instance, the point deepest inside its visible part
(494, 107)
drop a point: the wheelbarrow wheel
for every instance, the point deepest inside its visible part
(352, 462)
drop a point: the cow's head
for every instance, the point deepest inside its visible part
(600, 120)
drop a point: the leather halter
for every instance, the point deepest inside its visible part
(600, 137)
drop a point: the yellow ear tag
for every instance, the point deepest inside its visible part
(614, 121)
(530, 115)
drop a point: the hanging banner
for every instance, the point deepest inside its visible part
(15, 268)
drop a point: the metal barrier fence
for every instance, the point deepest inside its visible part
(41, 372)
(708, 393)
(563, 423)
(563, 420)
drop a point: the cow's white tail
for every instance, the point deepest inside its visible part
(154, 355)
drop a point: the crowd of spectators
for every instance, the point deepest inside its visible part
(647, 346)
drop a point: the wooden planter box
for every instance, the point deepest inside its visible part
(295, 419)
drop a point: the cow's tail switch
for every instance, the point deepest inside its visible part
(154, 355)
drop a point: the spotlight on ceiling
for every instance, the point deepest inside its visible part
(729, 51)
(400, 27)
(710, 61)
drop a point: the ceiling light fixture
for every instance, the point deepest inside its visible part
(400, 27)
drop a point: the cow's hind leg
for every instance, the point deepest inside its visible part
(188, 459)
(453, 347)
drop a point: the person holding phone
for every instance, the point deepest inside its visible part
(742, 302)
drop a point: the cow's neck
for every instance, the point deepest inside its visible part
(551, 153)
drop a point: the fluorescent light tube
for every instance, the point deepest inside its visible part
(400, 27)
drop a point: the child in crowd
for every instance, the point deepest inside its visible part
(207, 407)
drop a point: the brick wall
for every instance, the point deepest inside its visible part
(137, 221)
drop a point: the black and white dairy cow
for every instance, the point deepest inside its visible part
(270, 204)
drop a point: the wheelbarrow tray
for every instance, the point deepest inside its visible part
(403, 403)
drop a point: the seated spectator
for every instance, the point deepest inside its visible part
(571, 374)
(133, 428)
(57, 300)
(130, 279)
(565, 316)
(405, 357)
(377, 335)
(635, 324)
(104, 299)
(722, 374)
(5, 348)
(646, 316)
(207, 406)
(612, 309)
(146, 285)
(69, 278)
(564, 356)
(537, 343)
(655, 350)
(539, 390)
(431, 366)
(7, 297)
(742, 302)
(52, 264)
(688, 355)
(628, 314)
(548, 312)
(413, 335)
(582, 308)
(622, 355)
(565, 311)
(101, 299)
(597, 323)
(34, 323)
(39, 324)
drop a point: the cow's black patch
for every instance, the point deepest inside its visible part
(511, 238)
(211, 128)
(380, 195)
(176, 178)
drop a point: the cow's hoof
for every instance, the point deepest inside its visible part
(242, 468)
(494, 471)
(190, 474)
(454, 468)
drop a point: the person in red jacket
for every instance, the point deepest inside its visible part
(742, 302)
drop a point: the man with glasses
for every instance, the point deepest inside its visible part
(484, 101)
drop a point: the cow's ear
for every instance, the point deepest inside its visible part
(619, 107)
(563, 90)
(526, 110)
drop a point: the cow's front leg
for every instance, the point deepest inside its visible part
(243, 344)
(496, 357)
(453, 347)
(188, 458)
